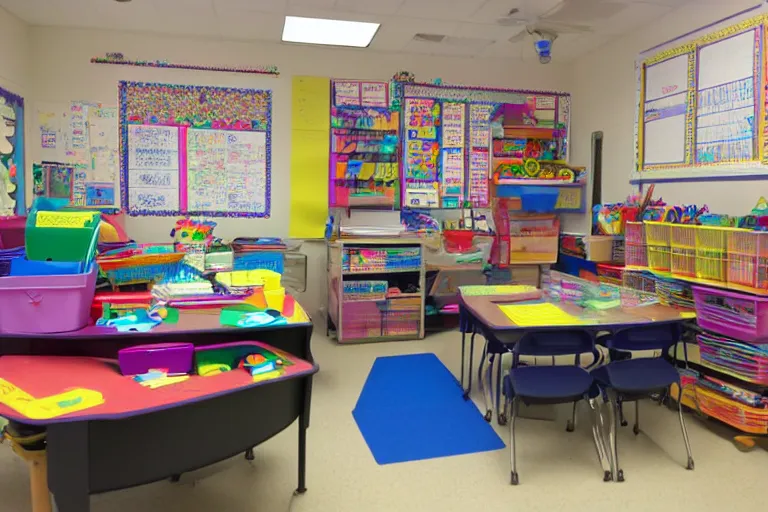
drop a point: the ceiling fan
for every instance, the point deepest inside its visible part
(543, 28)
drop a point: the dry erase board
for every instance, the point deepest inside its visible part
(195, 150)
(701, 104)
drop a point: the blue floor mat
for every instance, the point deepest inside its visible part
(411, 408)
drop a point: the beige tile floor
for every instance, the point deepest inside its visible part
(558, 471)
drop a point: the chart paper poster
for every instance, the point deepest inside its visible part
(453, 125)
(347, 93)
(153, 168)
(374, 94)
(479, 154)
(226, 171)
(725, 115)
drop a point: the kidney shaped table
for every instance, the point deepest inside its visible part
(140, 435)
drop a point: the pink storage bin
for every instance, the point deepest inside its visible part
(12, 232)
(46, 304)
(736, 315)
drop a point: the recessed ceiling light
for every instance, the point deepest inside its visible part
(328, 32)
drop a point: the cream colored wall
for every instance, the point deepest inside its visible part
(603, 87)
(61, 72)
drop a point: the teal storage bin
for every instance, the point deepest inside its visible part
(62, 243)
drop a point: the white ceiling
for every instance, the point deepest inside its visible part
(262, 20)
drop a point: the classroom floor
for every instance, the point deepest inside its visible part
(558, 471)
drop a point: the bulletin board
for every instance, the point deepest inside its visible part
(195, 150)
(364, 139)
(701, 105)
(455, 137)
(11, 154)
(75, 154)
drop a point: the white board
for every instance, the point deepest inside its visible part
(726, 60)
(664, 111)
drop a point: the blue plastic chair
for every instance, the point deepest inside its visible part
(559, 384)
(496, 345)
(627, 379)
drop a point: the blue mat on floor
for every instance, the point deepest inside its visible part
(412, 408)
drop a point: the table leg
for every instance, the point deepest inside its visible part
(68, 466)
(302, 488)
(463, 350)
(471, 359)
(38, 477)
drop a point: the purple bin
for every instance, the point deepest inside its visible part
(174, 357)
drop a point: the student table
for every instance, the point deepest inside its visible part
(140, 436)
(484, 314)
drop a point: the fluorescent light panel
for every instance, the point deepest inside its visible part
(328, 32)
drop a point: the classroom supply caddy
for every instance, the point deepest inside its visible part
(635, 247)
(47, 303)
(61, 235)
(376, 290)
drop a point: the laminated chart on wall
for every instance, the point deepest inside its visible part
(479, 154)
(422, 153)
(452, 155)
(701, 111)
(195, 150)
(83, 136)
(364, 168)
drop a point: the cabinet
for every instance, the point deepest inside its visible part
(376, 290)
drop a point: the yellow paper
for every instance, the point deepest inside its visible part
(164, 381)
(268, 375)
(49, 407)
(569, 198)
(309, 183)
(367, 171)
(63, 219)
(688, 314)
(311, 104)
(538, 315)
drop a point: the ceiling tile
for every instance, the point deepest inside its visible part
(370, 6)
(441, 49)
(568, 47)
(181, 5)
(492, 10)
(274, 6)
(635, 15)
(505, 49)
(487, 31)
(315, 4)
(586, 11)
(440, 9)
(251, 25)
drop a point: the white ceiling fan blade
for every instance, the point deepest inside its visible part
(520, 36)
(561, 28)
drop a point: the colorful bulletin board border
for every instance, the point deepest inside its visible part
(691, 169)
(119, 60)
(11, 154)
(193, 107)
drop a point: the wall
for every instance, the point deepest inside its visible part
(15, 68)
(604, 89)
(61, 72)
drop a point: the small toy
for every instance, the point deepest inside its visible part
(190, 230)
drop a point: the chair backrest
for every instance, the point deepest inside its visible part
(646, 337)
(555, 343)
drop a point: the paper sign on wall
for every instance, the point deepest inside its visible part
(153, 167)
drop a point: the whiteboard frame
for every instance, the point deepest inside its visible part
(754, 18)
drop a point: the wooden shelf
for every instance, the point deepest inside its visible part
(365, 272)
(528, 132)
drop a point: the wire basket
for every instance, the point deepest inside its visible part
(658, 238)
(634, 233)
(636, 255)
(748, 259)
(711, 253)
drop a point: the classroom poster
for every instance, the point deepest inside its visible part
(422, 152)
(83, 135)
(452, 164)
(153, 168)
(479, 154)
(11, 154)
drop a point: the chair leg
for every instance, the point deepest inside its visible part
(471, 359)
(682, 426)
(571, 425)
(514, 479)
(463, 358)
(502, 417)
(487, 389)
(481, 366)
(618, 473)
(636, 428)
(624, 422)
(599, 439)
